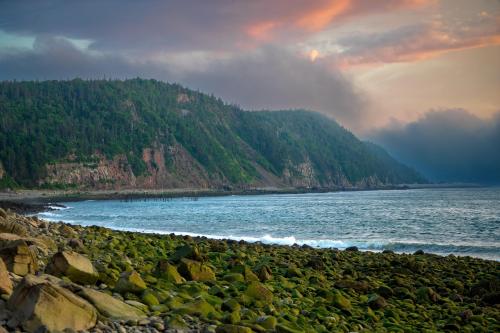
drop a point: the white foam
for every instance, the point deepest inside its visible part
(59, 207)
(45, 214)
(266, 239)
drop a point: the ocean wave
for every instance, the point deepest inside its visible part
(486, 251)
(58, 207)
(376, 246)
(46, 214)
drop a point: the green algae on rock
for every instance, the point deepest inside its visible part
(130, 282)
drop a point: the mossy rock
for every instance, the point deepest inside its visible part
(186, 252)
(426, 295)
(264, 273)
(169, 272)
(287, 328)
(234, 277)
(377, 302)
(217, 291)
(341, 302)
(247, 273)
(293, 271)
(130, 282)
(231, 305)
(232, 317)
(268, 322)
(176, 322)
(257, 291)
(229, 328)
(195, 270)
(149, 298)
(199, 307)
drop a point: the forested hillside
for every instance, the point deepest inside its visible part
(149, 134)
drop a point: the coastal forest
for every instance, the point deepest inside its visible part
(150, 134)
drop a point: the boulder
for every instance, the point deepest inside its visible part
(339, 301)
(169, 272)
(257, 291)
(75, 266)
(264, 273)
(150, 298)
(199, 307)
(10, 225)
(247, 273)
(110, 307)
(195, 270)
(18, 257)
(37, 303)
(5, 282)
(358, 286)
(234, 277)
(42, 242)
(231, 305)
(76, 244)
(286, 328)
(229, 328)
(67, 231)
(186, 251)
(268, 322)
(130, 282)
(377, 302)
(427, 294)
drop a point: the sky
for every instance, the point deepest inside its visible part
(380, 68)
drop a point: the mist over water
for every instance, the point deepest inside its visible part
(442, 221)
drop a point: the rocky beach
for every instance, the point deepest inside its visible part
(58, 277)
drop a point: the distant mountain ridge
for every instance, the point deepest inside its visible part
(149, 134)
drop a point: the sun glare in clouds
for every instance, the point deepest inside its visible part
(313, 55)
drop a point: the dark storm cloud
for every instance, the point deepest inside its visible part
(57, 58)
(270, 78)
(276, 79)
(448, 145)
(183, 24)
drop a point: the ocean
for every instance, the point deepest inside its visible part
(459, 221)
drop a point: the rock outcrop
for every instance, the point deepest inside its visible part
(111, 307)
(5, 282)
(195, 271)
(18, 257)
(130, 282)
(38, 303)
(75, 266)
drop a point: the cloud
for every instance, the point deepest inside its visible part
(58, 58)
(274, 78)
(184, 25)
(419, 41)
(267, 78)
(447, 145)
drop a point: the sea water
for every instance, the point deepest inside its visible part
(442, 221)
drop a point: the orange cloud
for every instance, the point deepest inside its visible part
(299, 17)
(319, 18)
(261, 31)
(426, 47)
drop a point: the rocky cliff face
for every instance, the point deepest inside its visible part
(180, 171)
(173, 167)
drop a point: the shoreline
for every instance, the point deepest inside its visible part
(168, 283)
(43, 197)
